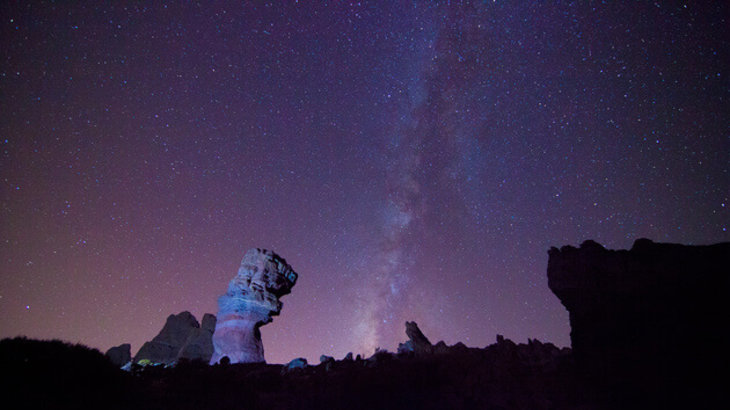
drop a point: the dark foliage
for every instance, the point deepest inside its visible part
(505, 375)
(54, 374)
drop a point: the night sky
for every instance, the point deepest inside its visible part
(411, 161)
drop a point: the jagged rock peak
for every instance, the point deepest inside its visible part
(181, 336)
(417, 342)
(208, 322)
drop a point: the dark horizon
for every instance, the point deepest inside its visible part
(411, 161)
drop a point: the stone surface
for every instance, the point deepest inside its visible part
(199, 344)
(208, 322)
(657, 312)
(250, 302)
(180, 337)
(120, 355)
(405, 347)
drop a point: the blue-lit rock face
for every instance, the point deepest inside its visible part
(250, 302)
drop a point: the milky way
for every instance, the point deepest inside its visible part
(410, 160)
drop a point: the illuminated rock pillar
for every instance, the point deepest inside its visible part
(250, 302)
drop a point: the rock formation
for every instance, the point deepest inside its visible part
(120, 355)
(657, 312)
(417, 342)
(180, 337)
(199, 344)
(250, 302)
(298, 363)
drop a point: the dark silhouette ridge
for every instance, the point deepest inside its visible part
(54, 374)
(649, 323)
(503, 375)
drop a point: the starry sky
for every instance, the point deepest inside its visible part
(410, 160)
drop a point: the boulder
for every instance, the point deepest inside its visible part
(298, 363)
(380, 356)
(326, 359)
(120, 355)
(252, 299)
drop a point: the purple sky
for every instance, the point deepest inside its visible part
(411, 161)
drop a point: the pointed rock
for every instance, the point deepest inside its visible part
(418, 341)
(180, 337)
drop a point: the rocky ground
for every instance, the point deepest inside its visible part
(503, 375)
(648, 330)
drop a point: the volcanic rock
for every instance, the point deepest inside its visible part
(417, 342)
(298, 363)
(327, 361)
(180, 337)
(120, 355)
(250, 302)
(380, 356)
(656, 313)
(199, 344)
(208, 322)
(165, 347)
(405, 348)
(441, 348)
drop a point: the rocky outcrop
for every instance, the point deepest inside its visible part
(298, 363)
(120, 355)
(657, 312)
(250, 302)
(199, 344)
(417, 342)
(180, 337)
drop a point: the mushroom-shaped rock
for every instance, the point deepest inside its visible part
(250, 302)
